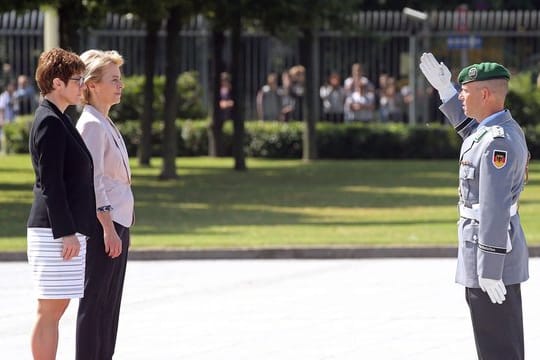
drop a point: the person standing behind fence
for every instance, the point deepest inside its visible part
(98, 315)
(226, 103)
(297, 89)
(7, 110)
(7, 104)
(357, 77)
(391, 105)
(288, 101)
(360, 104)
(63, 211)
(6, 76)
(269, 103)
(25, 96)
(333, 99)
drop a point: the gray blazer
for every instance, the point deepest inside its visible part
(492, 173)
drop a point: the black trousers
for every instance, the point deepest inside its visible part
(99, 309)
(498, 328)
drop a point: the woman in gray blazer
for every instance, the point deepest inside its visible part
(107, 254)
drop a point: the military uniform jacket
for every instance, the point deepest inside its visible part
(492, 174)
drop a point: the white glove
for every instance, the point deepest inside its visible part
(494, 288)
(438, 76)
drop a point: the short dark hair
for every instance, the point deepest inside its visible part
(56, 63)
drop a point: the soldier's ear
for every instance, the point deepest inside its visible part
(485, 92)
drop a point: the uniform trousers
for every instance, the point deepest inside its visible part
(498, 328)
(99, 309)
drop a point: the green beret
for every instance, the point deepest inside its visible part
(483, 71)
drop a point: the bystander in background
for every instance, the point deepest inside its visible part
(25, 96)
(7, 110)
(6, 76)
(391, 102)
(269, 103)
(226, 101)
(288, 101)
(297, 89)
(333, 97)
(360, 104)
(357, 77)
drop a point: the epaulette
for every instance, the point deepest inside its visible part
(480, 134)
(496, 131)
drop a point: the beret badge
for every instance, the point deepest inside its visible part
(472, 73)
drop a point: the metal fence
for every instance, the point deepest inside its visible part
(21, 40)
(382, 41)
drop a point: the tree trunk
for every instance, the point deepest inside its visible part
(70, 38)
(238, 93)
(145, 146)
(215, 132)
(309, 147)
(69, 25)
(171, 96)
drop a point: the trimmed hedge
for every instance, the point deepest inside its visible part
(284, 140)
(188, 87)
(334, 141)
(17, 134)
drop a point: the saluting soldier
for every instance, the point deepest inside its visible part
(492, 254)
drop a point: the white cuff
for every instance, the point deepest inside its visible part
(447, 93)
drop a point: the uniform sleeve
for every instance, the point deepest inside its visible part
(50, 144)
(94, 137)
(497, 168)
(453, 111)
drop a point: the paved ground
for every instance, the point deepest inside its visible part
(277, 310)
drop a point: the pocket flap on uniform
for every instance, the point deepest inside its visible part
(470, 233)
(466, 172)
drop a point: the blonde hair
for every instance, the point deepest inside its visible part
(96, 61)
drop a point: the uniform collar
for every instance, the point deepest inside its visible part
(495, 119)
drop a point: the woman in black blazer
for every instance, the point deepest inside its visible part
(63, 211)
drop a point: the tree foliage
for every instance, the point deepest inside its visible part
(18, 5)
(233, 16)
(152, 13)
(302, 19)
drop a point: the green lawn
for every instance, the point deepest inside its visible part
(279, 203)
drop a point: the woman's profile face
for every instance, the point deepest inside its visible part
(71, 92)
(108, 90)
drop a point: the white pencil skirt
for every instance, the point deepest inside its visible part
(54, 277)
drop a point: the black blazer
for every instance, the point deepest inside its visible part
(64, 198)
